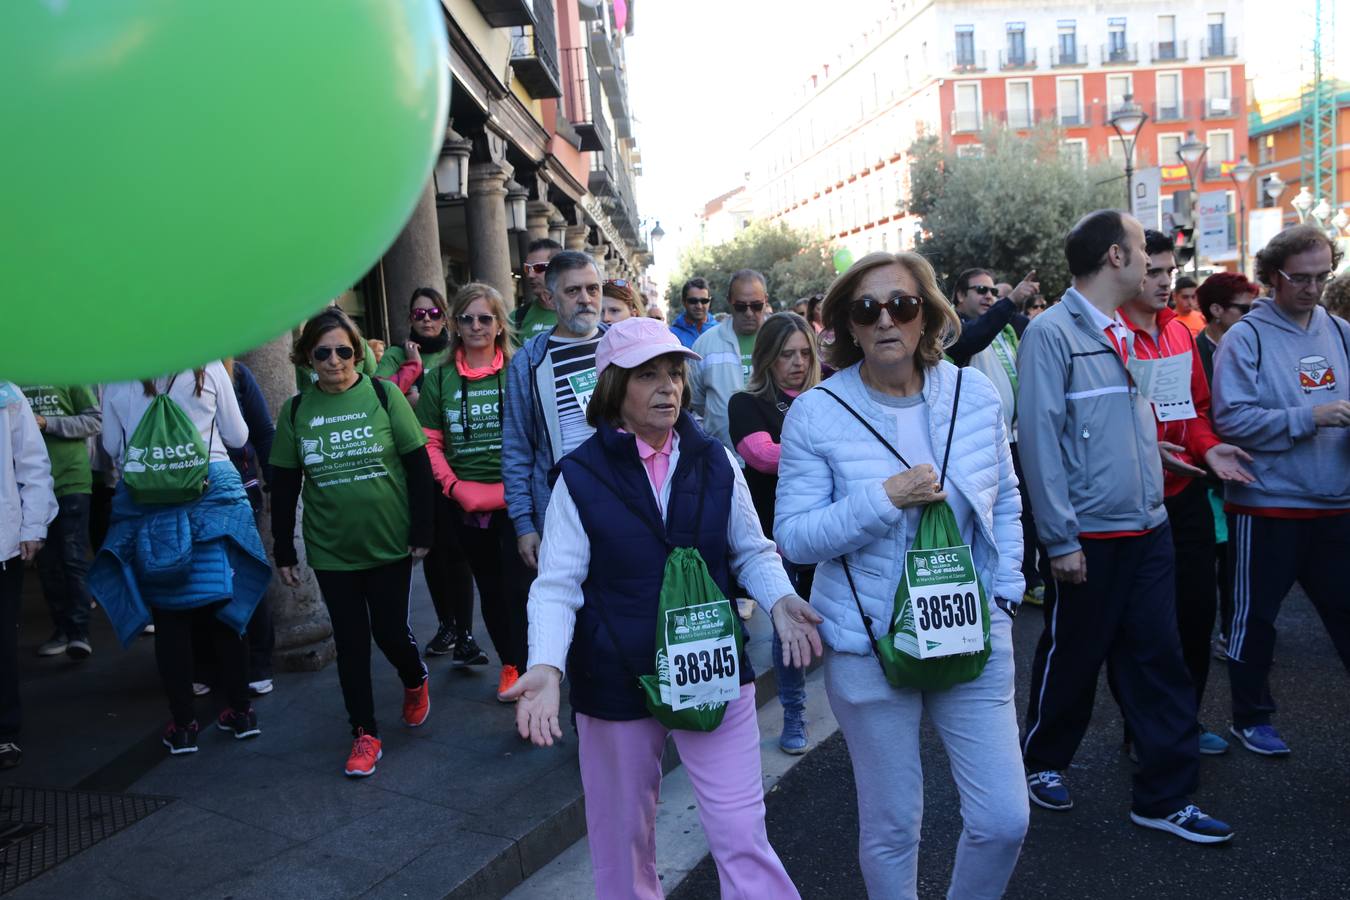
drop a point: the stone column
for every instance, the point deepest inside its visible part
(304, 633)
(485, 216)
(412, 262)
(576, 238)
(539, 216)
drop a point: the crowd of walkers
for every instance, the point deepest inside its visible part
(889, 473)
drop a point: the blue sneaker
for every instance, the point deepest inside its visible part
(1188, 823)
(1047, 790)
(1262, 739)
(1211, 744)
(793, 740)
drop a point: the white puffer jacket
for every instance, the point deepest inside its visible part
(831, 500)
(27, 503)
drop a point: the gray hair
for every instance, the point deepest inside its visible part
(746, 275)
(566, 261)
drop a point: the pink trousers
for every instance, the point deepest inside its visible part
(621, 774)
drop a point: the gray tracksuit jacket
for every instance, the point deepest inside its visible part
(1087, 440)
(1269, 373)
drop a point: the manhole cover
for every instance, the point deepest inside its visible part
(41, 828)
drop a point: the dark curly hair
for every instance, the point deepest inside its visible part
(1291, 242)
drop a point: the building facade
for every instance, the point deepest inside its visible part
(1276, 149)
(835, 162)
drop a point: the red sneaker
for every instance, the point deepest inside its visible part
(508, 679)
(365, 753)
(416, 704)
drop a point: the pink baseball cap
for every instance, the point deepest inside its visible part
(630, 343)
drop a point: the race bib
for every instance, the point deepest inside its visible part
(1166, 382)
(583, 386)
(701, 653)
(945, 603)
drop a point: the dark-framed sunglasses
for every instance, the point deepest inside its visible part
(697, 301)
(433, 313)
(467, 319)
(1244, 308)
(984, 290)
(321, 354)
(901, 307)
(757, 306)
(536, 268)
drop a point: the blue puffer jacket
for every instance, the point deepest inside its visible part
(831, 501)
(181, 557)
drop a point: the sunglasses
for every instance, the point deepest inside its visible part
(467, 320)
(1244, 308)
(321, 354)
(1036, 306)
(748, 307)
(617, 282)
(427, 312)
(984, 290)
(901, 307)
(536, 268)
(697, 301)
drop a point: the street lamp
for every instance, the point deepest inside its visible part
(1302, 204)
(1275, 187)
(516, 197)
(1127, 121)
(1241, 174)
(1192, 156)
(1322, 212)
(658, 232)
(451, 175)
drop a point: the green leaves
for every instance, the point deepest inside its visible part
(793, 264)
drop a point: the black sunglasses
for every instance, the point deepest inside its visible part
(427, 312)
(699, 301)
(322, 353)
(901, 307)
(983, 290)
(748, 307)
(1244, 307)
(468, 319)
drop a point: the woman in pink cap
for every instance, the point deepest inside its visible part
(649, 480)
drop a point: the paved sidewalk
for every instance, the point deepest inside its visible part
(459, 807)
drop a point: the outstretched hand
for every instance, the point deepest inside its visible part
(795, 621)
(536, 694)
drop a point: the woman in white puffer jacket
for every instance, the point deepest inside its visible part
(27, 507)
(842, 494)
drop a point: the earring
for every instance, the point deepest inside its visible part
(855, 340)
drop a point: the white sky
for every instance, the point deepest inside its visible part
(705, 77)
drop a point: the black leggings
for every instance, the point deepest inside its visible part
(449, 578)
(371, 603)
(503, 584)
(173, 653)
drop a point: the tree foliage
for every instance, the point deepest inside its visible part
(793, 264)
(1009, 209)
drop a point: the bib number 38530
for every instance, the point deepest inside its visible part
(945, 600)
(701, 650)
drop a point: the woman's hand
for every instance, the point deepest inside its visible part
(795, 621)
(914, 487)
(536, 696)
(290, 575)
(413, 351)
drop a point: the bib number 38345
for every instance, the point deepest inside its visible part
(945, 600)
(701, 650)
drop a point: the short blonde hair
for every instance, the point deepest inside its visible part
(476, 290)
(941, 326)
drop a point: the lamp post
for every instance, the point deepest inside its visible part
(1275, 187)
(1303, 204)
(1127, 121)
(1241, 174)
(1192, 155)
(452, 168)
(1341, 222)
(1322, 213)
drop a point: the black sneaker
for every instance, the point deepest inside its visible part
(443, 642)
(79, 648)
(243, 724)
(468, 653)
(181, 740)
(10, 755)
(1188, 823)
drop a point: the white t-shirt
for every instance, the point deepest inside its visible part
(124, 403)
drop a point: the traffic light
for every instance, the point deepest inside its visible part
(1183, 228)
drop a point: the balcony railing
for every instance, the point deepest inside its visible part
(1120, 54)
(966, 62)
(1021, 119)
(1219, 48)
(1071, 118)
(1009, 61)
(1221, 108)
(1167, 51)
(1168, 111)
(602, 51)
(1068, 59)
(505, 13)
(966, 121)
(534, 53)
(581, 99)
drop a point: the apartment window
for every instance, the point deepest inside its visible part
(1168, 106)
(1115, 150)
(1068, 41)
(1218, 92)
(965, 46)
(1169, 146)
(1117, 87)
(1167, 38)
(1215, 34)
(1265, 150)
(1220, 151)
(1019, 104)
(1115, 40)
(1070, 94)
(1075, 149)
(969, 150)
(1017, 44)
(967, 116)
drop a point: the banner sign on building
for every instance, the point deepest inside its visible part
(1211, 224)
(1145, 202)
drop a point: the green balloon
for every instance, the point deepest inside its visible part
(186, 179)
(843, 258)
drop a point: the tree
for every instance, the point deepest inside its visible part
(793, 264)
(1008, 209)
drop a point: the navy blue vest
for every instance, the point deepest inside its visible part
(623, 587)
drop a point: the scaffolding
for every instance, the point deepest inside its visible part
(1317, 131)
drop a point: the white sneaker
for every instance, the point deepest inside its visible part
(54, 645)
(149, 629)
(199, 689)
(260, 688)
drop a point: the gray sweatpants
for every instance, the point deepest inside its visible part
(978, 726)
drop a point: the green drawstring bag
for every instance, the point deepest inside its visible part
(698, 648)
(166, 460)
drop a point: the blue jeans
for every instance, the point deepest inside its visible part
(63, 566)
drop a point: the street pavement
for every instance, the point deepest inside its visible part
(1291, 815)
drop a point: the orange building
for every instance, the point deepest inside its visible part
(1275, 149)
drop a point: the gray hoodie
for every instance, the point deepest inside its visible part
(1269, 373)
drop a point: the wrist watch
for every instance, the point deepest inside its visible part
(1009, 608)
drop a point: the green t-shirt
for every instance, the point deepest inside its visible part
(469, 414)
(537, 320)
(69, 456)
(747, 342)
(395, 357)
(305, 377)
(356, 492)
